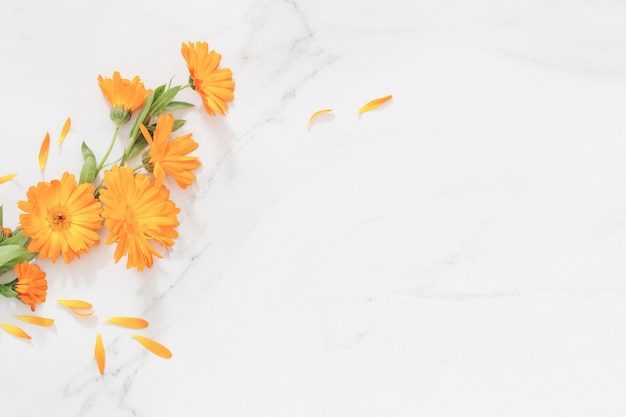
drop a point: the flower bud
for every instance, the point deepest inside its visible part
(120, 115)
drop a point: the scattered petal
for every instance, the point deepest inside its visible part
(317, 113)
(7, 178)
(374, 104)
(99, 353)
(43, 152)
(64, 130)
(80, 312)
(39, 321)
(130, 322)
(15, 331)
(75, 304)
(154, 347)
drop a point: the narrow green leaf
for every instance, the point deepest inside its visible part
(17, 239)
(10, 255)
(178, 123)
(7, 289)
(163, 100)
(89, 170)
(139, 145)
(176, 105)
(145, 112)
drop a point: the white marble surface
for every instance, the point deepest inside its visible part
(458, 252)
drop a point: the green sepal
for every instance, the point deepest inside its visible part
(177, 105)
(11, 255)
(89, 170)
(8, 290)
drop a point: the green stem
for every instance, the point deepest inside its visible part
(106, 155)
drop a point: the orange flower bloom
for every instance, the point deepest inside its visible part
(215, 86)
(137, 212)
(125, 96)
(61, 217)
(170, 157)
(31, 284)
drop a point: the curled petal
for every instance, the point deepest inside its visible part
(130, 322)
(154, 347)
(15, 331)
(317, 113)
(75, 304)
(39, 321)
(6, 178)
(64, 130)
(374, 104)
(43, 151)
(99, 353)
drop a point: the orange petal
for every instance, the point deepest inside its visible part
(130, 322)
(39, 321)
(99, 353)
(64, 130)
(374, 104)
(43, 152)
(6, 178)
(79, 304)
(81, 312)
(154, 347)
(318, 113)
(15, 331)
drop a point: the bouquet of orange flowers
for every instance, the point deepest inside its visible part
(64, 217)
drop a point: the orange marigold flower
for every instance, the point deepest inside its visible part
(61, 217)
(215, 86)
(125, 96)
(137, 212)
(31, 284)
(170, 157)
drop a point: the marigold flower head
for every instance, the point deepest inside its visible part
(125, 96)
(170, 157)
(61, 217)
(215, 86)
(5, 233)
(31, 284)
(137, 213)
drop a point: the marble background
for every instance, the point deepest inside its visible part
(457, 252)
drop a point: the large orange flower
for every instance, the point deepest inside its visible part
(137, 213)
(31, 284)
(61, 217)
(125, 96)
(170, 157)
(215, 86)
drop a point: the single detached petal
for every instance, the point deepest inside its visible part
(43, 152)
(6, 178)
(99, 353)
(154, 347)
(374, 104)
(317, 113)
(78, 304)
(15, 331)
(39, 321)
(130, 322)
(64, 130)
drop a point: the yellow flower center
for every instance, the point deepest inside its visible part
(59, 218)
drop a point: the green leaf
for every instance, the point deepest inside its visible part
(138, 146)
(10, 255)
(176, 105)
(145, 112)
(17, 239)
(89, 171)
(7, 289)
(163, 100)
(178, 123)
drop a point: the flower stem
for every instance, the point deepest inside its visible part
(106, 155)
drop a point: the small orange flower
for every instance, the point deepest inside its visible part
(215, 86)
(170, 157)
(5, 233)
(31, 284)
(61, 217)
(137, 212)
(125, 96)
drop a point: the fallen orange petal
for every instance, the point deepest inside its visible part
(15, 331)
(39, 321)
(64, 130)
(374, 104)
(79, 304)
(317, 113)
(154, 347)
(130, 322)
(99, 353)
(80, 312)
(43, 152)
(8, 177)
